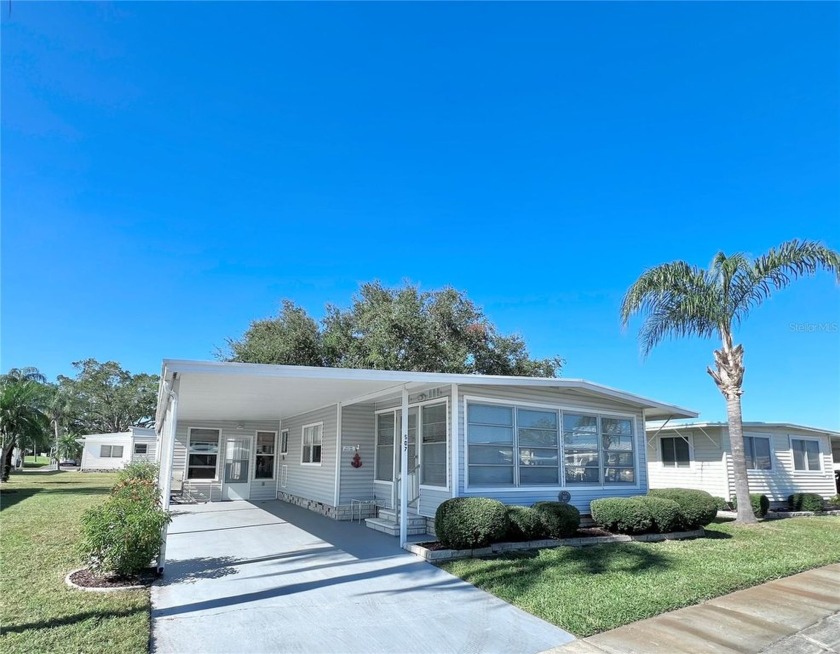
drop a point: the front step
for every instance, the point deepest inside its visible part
(392, 528)
(414, 520)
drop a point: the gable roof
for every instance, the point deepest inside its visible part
(219, 390)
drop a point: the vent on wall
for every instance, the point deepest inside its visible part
(284, 475)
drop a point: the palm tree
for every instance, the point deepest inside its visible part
(678, 299)
(69, 447)
(21, 415)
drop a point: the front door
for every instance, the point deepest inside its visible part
(236, 484)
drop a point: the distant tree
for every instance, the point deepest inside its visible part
(678, 300)
(291, 338)
(61, 409)
(22, 416)
(105, 398)
(392, 329)
(69, 447)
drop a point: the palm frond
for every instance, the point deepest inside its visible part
(775, 270)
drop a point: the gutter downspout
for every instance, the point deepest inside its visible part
(404, 470)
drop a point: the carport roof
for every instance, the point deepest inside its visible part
(212, 390)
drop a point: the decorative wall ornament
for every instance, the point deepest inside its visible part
(356, 461)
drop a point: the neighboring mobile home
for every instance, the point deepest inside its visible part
(113, 451)
(782, 458)
(332, 440)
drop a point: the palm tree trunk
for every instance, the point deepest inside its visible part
(729, 375)
(57, 455)
(6, 461)
(739, 461)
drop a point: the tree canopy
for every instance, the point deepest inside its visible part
(391, 329)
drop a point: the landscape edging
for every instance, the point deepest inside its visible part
(502, 548)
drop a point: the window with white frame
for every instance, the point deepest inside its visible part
(757, 453)
(675, 452)
(433, 459)
(385, 433)
(806, 454)
(525, 447)
(312, 438)
(265, 455)
(203, 453)
(110, 451)
(284, 441)
(141, 448)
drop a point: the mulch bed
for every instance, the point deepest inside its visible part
(87, 579)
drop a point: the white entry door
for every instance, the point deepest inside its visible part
(237, 485)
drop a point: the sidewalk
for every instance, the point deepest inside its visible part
(794, 615)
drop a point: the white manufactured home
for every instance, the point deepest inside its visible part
(113, 451)
(340, 441)
(782, 458)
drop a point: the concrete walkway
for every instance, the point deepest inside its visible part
(794, 615)
(271, 577)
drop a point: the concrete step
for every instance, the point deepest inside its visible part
(414, 520)
(392, 528)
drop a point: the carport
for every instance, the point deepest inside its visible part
(272, 577)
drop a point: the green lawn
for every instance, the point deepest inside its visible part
(30, 461)
(39, 522)
(594, 589)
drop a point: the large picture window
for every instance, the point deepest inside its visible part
(312, 442)
(675, 452)
(525, 446)
(203, 453)
(806, 454)
(757, 452)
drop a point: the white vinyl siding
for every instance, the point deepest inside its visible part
(313, 482)
(357, 430)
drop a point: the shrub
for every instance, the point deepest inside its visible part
(138, 482)
(559, 520)
(470, 522)
(760, 504)
(667, 515)
(122, 536)
(805, 502)
(834, 501)
(721, 503)
(697, 507)
(525, 523)
(622, 515)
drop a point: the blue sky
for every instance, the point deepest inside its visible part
(172, 171)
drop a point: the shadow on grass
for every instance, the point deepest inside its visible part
(11, 494)
(71, 620)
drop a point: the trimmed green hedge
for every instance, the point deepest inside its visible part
(721, 503)
(464, 523)
(525, 523)
(698, 508)
(760, 504)
(805, 502)
(667, 515)
(560, 520)
(622, 515)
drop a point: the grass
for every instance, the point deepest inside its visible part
(593, 589)
(39, 522)
(30, 461)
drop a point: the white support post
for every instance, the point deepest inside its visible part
(404, 469)
(166, 462)
(454, 441)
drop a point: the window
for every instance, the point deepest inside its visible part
(265, 455)
(580, 449)
(757, 452)
(110, 451)
(617, 448)
(525, 447)
(312, 437)
(537, 452)
(490, 445)
(675, 452)
(806, 454)
(141, 448)
(433, 445)
(385, 447)
(203, 453)
(284, 441)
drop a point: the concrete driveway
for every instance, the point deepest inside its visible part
(272, 577)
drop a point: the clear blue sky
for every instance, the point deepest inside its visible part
(172, 171)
